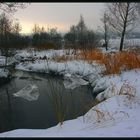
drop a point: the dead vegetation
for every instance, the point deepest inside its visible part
(115, 62)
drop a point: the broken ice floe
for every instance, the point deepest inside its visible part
(73, 82)
(29, 92)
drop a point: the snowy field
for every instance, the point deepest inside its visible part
(117, 114)
(128, 44)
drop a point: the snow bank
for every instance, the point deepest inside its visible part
(106, 86)
(26, 54)
(117, 116)
(10, 60)
(4, 73)
(113, 85)
(79, 71)
(72, 67)
(88, 72)
(74, 81)
(22, 55)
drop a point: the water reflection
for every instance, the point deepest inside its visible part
(54, 104)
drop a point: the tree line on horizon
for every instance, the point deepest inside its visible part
(117, 18)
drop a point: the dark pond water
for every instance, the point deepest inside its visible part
(54, 103)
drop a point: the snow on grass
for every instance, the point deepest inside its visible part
(72, 67)
(24, 54)
(118, 84)
(117, 116)
(10, 60)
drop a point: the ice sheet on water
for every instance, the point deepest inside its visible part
(29, 92)
(73, 82)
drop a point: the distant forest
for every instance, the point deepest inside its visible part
(118, 20)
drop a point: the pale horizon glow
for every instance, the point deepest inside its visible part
(59, 15)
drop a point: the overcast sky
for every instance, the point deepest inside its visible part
(60, 15)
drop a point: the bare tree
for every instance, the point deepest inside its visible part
(17, 28)
(105, 28)
(5, 29)
(6, 25)
(81, 30)
(122, 17)
(11, 7)
(36, 29)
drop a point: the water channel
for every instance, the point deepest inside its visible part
(54, 103)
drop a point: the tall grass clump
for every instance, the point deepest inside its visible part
(115, 63)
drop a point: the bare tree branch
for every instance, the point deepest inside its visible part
(11, 7)
(122, 17)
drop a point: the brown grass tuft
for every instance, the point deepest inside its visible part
(115, 63)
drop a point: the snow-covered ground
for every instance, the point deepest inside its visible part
(25, 54)
(115, 43)
(72, 67)
(127, 42)
(117, 116)
(118, 113)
